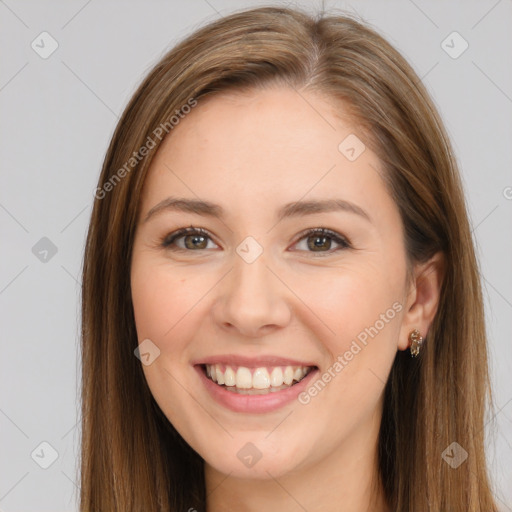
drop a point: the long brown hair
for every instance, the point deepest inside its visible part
(132, 457)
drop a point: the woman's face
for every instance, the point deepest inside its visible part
(257, 301)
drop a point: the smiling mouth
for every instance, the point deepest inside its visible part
(255, 381)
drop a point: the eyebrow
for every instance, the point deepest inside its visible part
(295, 209)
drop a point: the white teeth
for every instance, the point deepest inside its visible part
(220, 376)
(276, 377)
(298, 374)
(229, 376)
(242, 379)
(261, 379)
(288, 376)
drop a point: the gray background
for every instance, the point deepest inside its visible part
(57, 116)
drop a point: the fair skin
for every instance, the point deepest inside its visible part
(251, 153)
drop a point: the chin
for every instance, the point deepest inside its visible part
(253, 457)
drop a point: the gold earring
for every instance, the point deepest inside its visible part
(416, 340)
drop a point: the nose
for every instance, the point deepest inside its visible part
(252, 301)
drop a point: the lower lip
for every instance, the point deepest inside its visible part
(254, 403)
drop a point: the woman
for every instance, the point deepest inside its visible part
(281, 301)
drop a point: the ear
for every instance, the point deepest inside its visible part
(422, 298)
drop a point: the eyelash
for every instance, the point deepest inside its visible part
(168, 240)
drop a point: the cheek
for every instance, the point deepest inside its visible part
(154, 307)
(163, 303)
(349, 301)
(162, 298)
(361, 308)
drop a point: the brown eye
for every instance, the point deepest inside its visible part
(195, 241)
(322, 240)
(187, 239)
(319, 242)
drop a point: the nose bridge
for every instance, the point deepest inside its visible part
(252, 298)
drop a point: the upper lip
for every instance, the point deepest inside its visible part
(252, 362)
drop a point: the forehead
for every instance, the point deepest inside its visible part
(261, 129)
(246, 149)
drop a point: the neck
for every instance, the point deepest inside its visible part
(347, 480)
